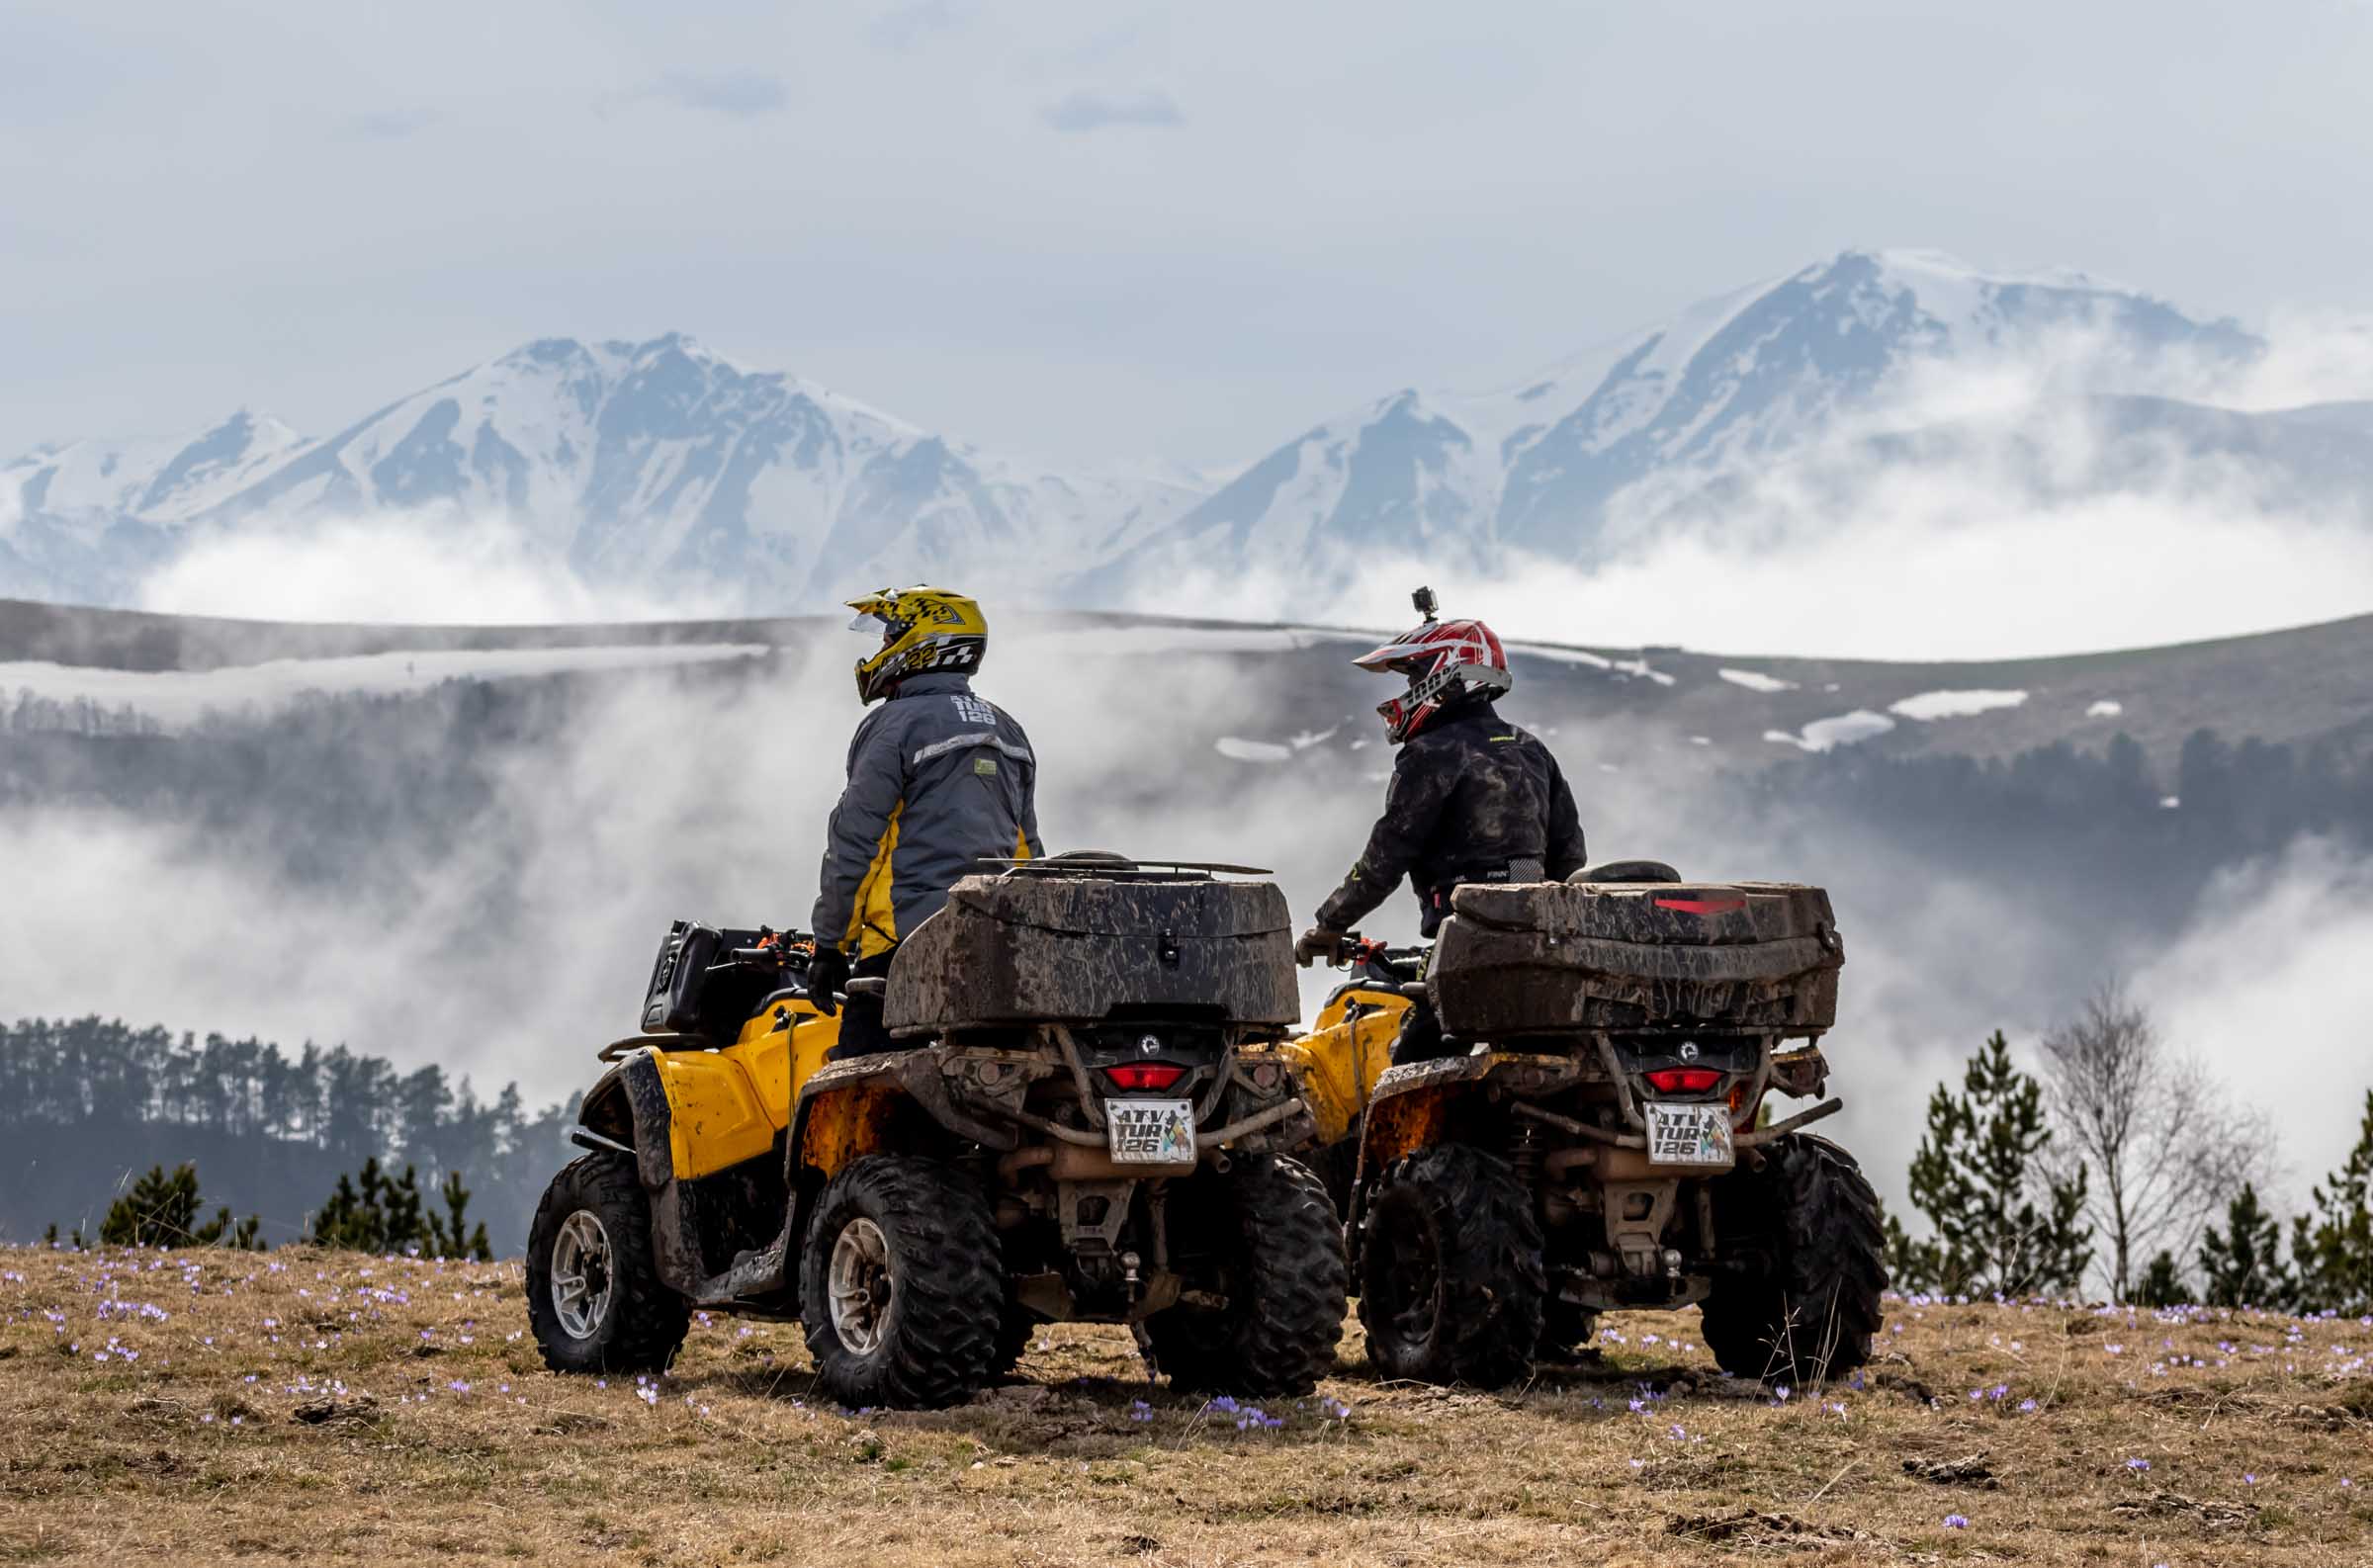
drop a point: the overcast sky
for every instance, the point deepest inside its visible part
(1088, 230)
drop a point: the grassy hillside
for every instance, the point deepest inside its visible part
(334, 1408)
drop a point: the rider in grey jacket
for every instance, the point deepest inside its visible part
(939, 781)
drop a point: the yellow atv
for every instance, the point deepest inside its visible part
(1085, 1120)
(1598, 1144)
(1348, 1049)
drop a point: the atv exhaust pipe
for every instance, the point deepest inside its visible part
(1234, 1130)
(1756, 1137)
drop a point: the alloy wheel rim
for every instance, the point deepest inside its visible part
(860, 1286)
(583, 1279)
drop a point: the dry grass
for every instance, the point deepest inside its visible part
(326, 1408)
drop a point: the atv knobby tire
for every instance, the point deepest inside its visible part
(1271, 1235)
(1810, 1312)
(617, 1315)
(920, 1278)
(1451, 1284)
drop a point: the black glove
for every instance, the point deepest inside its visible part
(1319, 943)
(828, 973)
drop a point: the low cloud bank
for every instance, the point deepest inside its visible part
(416, 569)
(2270, 987)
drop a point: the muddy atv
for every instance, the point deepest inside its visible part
(1087, 1121)
(1348, 1047)
(1601, 1142)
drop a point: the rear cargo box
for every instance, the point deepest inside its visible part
(1531, 958)
(1072, 946)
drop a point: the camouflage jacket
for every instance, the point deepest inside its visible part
(1472, 799)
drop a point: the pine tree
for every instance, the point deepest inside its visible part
(1978, 1175)
(162, 1210)
(2333, 1248)
(1913, 1267)
(2242, 1266)
(372, 1212)
(369, 1212)
(447, 1235)
(2162, 1284)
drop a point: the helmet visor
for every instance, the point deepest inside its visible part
(880, 628)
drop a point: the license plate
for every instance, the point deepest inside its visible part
(1151, 1131)
(1689, 1135)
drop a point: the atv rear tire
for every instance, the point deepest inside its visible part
(1810, 1313)
(603, 1307)
(1277, 1246)
(901, 1285)
(1452, 1285)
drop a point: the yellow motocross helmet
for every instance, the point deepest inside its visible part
(923, 630)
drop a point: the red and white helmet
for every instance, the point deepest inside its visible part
(1444, 661)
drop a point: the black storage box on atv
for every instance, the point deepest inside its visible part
(1050, 942)
(1551, 957)
(688, 995)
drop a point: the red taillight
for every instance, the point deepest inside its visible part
(1706, 907)
(1145, 1074)
(1685, 1080)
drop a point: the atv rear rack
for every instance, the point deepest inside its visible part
(1123, 870)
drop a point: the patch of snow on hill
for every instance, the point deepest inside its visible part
(1756, 680)
(1932, 705)
(1562, 655)
(1825, 735)
(1639, 667)
(1144, 641)
(177, 698)
(2105, 709)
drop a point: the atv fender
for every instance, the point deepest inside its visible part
(686, 1115)
(628, 1106)
(1411, 1107)
(606, 1110)
(1338, 1064)
(846, 1110)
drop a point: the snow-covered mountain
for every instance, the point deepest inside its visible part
(658, 464)
(85, 519)
(667, 466)
(1745, 376)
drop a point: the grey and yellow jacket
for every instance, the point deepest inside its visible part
(938, 780)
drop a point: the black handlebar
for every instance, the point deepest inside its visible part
(1395, 967)
(775, 950)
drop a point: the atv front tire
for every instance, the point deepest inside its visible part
(595, 1297)
(1276, 1248)
(1810, 1311)
(1451, 1284)
(902, 1287)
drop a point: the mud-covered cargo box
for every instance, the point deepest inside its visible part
(1055, 946)
(1543, 957)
